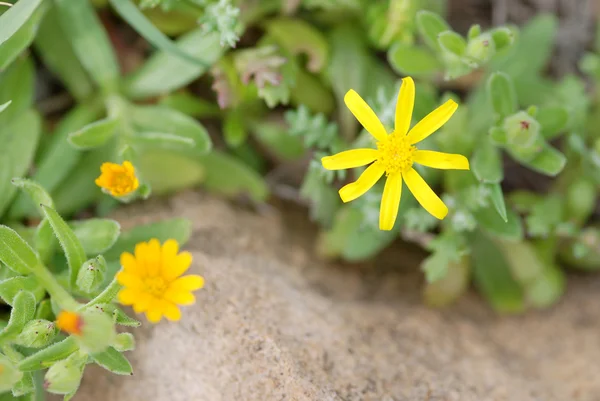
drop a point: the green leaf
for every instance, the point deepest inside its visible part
(15, 252)
(298, 36)
(547, 289)
(498, 136)
(277, 139)
(15, 17)
(122, 319)
(448, 289)
(532, 50)
(19, 142)
(57, 54)
(492, 275)
(161, 119)
(134, 17)
(5, 105)
(90, 41)
(44, 358)
(57, 157)
(10, 287)
(164, 73)
(430, 25)
(24, 386)
(34, 190)
(411, 60)
(178, 229)
(486, 163)
(78, 189)
(113, 361)
(548, 161)
(22, 38)
(553, 119)
(190, 105)
(228, 176)
(96, 235)
(489, 220)
(501, 94)
(234, 131)
(95, 134)
(168, 171)
(453, 43)
(23, 310)
(68, 241)
(45, 242)
(161, 140)
(16, 85)
(498, 200)
(503, 37)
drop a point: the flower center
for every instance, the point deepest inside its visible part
(122, 182)
(156, 286)
(395, 153)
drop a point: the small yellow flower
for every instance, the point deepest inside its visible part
(118, 179)
(395, 155)
(152, 280)
(70, 322)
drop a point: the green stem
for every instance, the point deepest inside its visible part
(56, 291)
(106, 296)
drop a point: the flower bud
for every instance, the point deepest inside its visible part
(64, 376)
(481, 48)
(9, 374)
(523, 134)
(124, 342)
(93, 329)
(91, 275)
(37, 333)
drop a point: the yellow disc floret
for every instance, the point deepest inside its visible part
(395, 153)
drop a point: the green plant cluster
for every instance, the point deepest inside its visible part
(270, 77)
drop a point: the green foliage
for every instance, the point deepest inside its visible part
(279, 102)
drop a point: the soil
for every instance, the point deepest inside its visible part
(273, 323)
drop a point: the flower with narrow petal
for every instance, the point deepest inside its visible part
(118, 180)
(395, 154)
(152, 282)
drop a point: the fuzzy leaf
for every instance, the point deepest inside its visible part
(412, 60)
(553, 119)
(44, 358)
(453, 43)
(96, 235)
(94, 134)
(23, 310)
(22, 38)
(548, 161)
(35, 191)
(123, 319)
(490, 221)
(15, 252)
(501, 93)
(430, 25)
(69, 242)
(486, 163)
(15, 17)
(498, 200)
(168, 171)
(162, 140)
(90, 41)
(492, 275)
(164, 73)
(113, 361)
(10, 287)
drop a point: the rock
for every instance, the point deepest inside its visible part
(274, 324)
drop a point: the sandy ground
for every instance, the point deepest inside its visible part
(275, 324)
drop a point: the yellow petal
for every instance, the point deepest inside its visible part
(128, 296)
(171, 311)
(349, 159)
(129, 280)
(153, 257)
(142, 302)
(191, 282)
(154, 315)
(128, 167)
(424, 194)
(446, 161)
(168, 254)
(365, 116)
(432, 122)
(177, 266)
(179, 297)
(366, 180)
(130, 265)
(404, 106)
(390, 201)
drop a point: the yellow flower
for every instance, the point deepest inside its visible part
(118, 179)
(395, 155)
(69, 322)
(152, 280)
